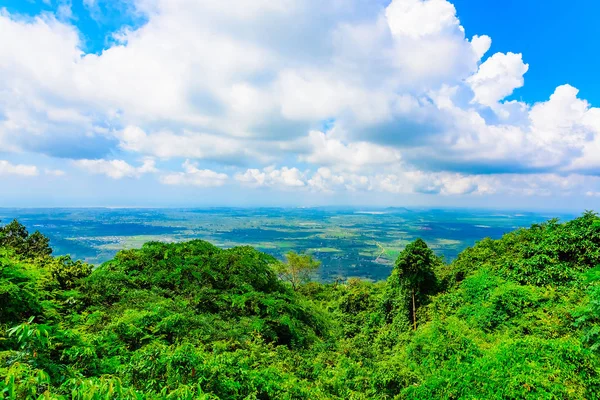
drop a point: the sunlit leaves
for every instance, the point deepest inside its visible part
(511, 318)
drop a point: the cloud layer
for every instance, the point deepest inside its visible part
(294, 95)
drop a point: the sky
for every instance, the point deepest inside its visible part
(431, 103)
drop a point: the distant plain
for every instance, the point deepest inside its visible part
(350, 242)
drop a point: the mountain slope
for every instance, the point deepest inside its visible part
(517, 317)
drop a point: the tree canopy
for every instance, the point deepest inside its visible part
(511, 318)
(412, 280)
(297, 269)
(15, 237)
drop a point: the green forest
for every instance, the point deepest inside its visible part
(517, 317)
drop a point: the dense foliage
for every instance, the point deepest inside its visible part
(512, 318)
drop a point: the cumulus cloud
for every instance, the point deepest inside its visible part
(325, 180)
(196, 67)
(272, 177)
(417, 18)
(116, 169)
(193, 176)
(481, 45)
(327, 150)
(405, 180)
(6, 168)
(395, 180)
(497, 77)
(165, 144)
(554, 136)
(352, 96)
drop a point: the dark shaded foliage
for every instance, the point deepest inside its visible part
(412, 281)
(15, 237)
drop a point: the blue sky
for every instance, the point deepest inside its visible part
(555, 37)
(203, 103)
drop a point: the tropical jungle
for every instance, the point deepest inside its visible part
(517, 317)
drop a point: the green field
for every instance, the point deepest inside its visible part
(348, 242)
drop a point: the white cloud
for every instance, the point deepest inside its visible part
(199, 67)
(270, 176)
(481, 44)
(325, 180)
(396, 180)
(430, 43)
(6, 168)
(557, 135)
(442, 183)
(252, 177)
(399, 181)
(497, 77)
(165, 144)
(326, 150)
(193, 176)
(421, 18)
(562, 119)
(393, 99)
(116, 169)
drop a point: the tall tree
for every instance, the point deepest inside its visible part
(412, 279)
(297, 269)
(13, 235)
(37, 245)
(66, 271)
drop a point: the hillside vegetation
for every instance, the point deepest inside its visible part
(512, 318)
